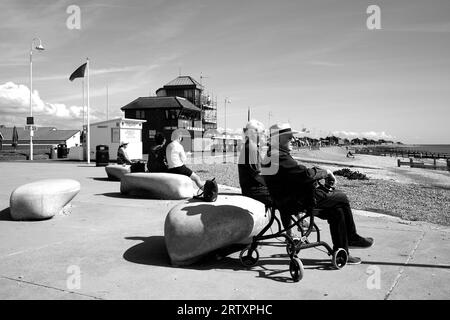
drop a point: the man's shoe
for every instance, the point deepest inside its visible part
(360, 242)
(353, 260)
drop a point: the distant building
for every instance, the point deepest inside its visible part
(43, 137)
(188, 88)
(178, 104)
(113, 132)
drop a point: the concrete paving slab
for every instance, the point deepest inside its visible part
(117, 244)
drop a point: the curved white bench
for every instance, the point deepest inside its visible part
(195, 228)
(42, 199)
(116, 171)
(167, 186)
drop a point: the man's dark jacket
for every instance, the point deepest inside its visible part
(250, 178)
(292, 187)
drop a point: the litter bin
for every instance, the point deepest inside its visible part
(101, 155)
(53, 152)
(62, 151)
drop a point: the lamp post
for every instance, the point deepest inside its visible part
(39, 47)
(229, 101)
(225, 132)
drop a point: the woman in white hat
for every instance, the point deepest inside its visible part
(122, 155)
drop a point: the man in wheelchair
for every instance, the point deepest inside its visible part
(294, 187)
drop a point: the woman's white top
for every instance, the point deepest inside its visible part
(175, 154)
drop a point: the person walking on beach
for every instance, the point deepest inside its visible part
(157, 156)
(176, 158)
(291, 183)
(122, 155)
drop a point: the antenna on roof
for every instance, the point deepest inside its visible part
(179, 71)
(201, 78)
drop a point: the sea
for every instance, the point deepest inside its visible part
(433, 148)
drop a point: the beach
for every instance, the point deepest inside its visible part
(413, 194)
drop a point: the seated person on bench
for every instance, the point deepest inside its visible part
(157, 156)
(122, 155)
(249, 167)
(289, 186)
(249, 164)
(176, 158)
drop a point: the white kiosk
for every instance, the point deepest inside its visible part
(115, 131)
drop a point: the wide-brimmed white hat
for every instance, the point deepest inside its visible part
(282, 129)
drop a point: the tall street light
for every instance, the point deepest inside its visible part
(226, 101)
(38, 47)
(225, 132)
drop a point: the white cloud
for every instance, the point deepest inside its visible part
(368, 135)
(15, 107)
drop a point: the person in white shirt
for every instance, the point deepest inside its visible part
(176, 157)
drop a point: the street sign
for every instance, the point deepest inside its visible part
(32, 128)
(30, 120)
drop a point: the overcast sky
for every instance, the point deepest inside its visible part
(312, 63)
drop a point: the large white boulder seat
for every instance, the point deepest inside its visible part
(42, 199)
(195, 228)
(115, 172)
(157, 185)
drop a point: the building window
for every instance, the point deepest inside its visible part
(171, 114)
(115, 135)
(140, 114)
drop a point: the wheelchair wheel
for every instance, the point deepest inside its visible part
(296, 269)
(289, 247)
(339, 259)
(249, 258)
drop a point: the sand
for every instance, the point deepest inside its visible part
(384, 168)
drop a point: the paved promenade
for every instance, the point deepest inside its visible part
(117, 245)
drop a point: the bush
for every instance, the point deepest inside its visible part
(351, 175)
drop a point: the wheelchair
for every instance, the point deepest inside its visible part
(249, 256)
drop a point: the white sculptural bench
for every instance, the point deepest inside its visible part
(117, 171)
(195, 228)
(166, 186)
(42, 199)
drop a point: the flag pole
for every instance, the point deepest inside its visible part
(88, 130)
(107, 102)
(83, 106)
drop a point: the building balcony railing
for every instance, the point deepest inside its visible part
(210, 121)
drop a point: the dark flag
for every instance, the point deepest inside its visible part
(79, 73)
(15, 138)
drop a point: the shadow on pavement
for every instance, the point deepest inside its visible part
(101, 179)
(152, 251)
(5, 215)
(117, 195)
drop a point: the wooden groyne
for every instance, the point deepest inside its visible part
(423, 165)
(404, 153)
